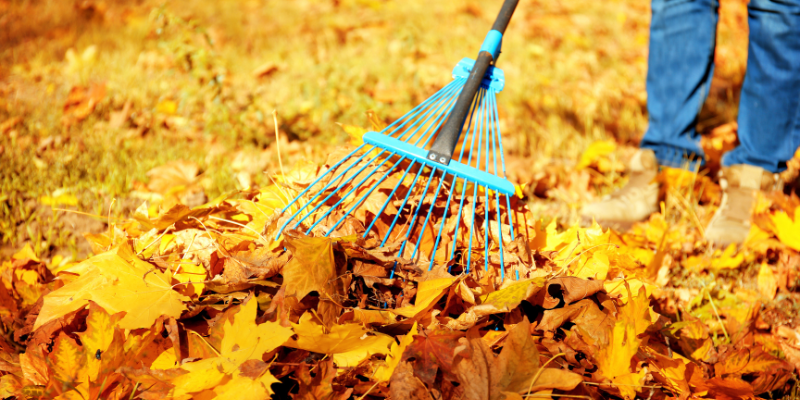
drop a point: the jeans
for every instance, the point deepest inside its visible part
(680, 66)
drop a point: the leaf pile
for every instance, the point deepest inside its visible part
(204, 303)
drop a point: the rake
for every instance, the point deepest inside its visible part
(426, 145)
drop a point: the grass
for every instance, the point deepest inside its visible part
(575, 74)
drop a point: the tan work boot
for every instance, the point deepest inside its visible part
(731, 222)
(633, 202)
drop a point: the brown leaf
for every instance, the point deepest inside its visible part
(320, 386)
(405, 384)
(484, 376)
(567, 290)
(312, 265)
(172, 176)
(729, 389)
(430, 353)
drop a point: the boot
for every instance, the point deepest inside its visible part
(632, 203)
(731, 222)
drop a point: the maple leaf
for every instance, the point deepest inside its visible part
(98, 337)
(432, 352)
(34, 367)
(192, 274)
(251, 381)
(787, 229)
(10, 386)
(243, 339)
(614, 360)
(384, 372)
(348, 343)
(67, 359)
(117, 281)
(428, 293)
(486, 376)
(311, 267)
(767, 285)
(203, 375)
(320, 386)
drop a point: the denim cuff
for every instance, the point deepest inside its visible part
(675, 157)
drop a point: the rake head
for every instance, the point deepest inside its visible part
(453, 212)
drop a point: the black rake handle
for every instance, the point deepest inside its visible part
(445, 144)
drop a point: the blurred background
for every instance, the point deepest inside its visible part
(105, 105)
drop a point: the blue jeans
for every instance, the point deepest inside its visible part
(681, 63)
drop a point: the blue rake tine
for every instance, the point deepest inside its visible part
(444, 221)
(472, 228)
(356, 186)
(386, 203)
(296, 213)
(493, 99)
(319, 178)
(460, 208)
(493, 128)
(433, 111)
(471, 127)
(430, 210)
(444, 92)
(340, 185)
(413, 219)
(443, 95)
(364, 197)
(400, 211)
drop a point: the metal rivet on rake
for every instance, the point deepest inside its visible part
(432, 156)
(442, 160)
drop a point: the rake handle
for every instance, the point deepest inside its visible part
(445, 144)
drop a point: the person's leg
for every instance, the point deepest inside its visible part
(769, 117)
(769, 109)
(680, 65)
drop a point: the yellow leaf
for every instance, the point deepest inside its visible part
(187, 272)
(349, 343)
(34, 368)
(614, 360)
(595, 152)
(311, 267)
(67, 359)
(519, 190)
(62, 199)
(203, 374)
(167, 107)
(728, 259)
(165, 360)
(595, 267)
(355, 133)
(243, 388)
(244, 340)
(166, 241)
(767, 285)
(786, 229)
(303, 174)
(25, 254)
(270, 200)
(98, 336)
(117, 281)
(509, 297)
(384, 372)
(10, 386)
(428, 293)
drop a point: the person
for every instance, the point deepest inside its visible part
(680, 67)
